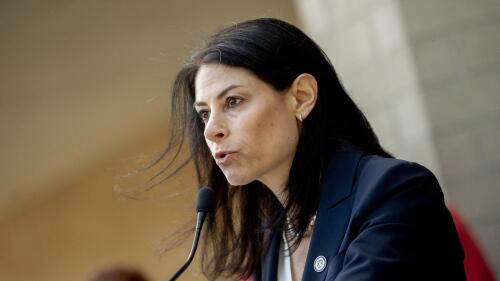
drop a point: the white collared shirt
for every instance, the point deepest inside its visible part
(284, 266)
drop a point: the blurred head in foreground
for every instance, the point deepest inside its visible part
(118, 273)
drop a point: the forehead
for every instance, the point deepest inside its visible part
(211, 79)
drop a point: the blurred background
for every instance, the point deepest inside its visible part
(84, 101)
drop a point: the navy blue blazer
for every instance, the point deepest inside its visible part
(378, 219)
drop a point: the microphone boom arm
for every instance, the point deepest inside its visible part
(200, 217)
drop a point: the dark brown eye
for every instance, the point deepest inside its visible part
(233, 101)
(204, 115)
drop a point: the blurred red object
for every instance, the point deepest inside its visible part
(476, 268)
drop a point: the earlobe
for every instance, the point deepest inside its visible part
(300, 117)
(305, 92)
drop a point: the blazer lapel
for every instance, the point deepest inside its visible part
(269, 264)
(331, 219)
(333, 212)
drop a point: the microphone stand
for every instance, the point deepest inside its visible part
(200, 217)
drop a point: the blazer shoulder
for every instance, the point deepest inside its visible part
(390, 174)
(396, 187)
(377, 166)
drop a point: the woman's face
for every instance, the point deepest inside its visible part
(250, 128)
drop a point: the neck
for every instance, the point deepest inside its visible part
(277, 181)
(279, 190)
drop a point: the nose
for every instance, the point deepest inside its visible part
(216, 129)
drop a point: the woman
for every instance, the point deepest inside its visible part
(304, 189)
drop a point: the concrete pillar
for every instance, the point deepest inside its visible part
(427, 75)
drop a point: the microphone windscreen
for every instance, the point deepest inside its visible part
(205, 200)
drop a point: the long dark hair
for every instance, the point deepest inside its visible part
(238, 230)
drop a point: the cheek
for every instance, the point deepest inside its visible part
(275, 133)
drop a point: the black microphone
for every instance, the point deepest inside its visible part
(205, 201)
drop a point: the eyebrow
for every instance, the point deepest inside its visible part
(219, 96)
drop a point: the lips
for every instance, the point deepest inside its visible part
(223, 157)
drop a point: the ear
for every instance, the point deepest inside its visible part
(304, 90)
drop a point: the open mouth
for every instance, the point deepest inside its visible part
(223, 157)
(221, 154)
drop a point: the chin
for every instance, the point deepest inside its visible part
(236, 180)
